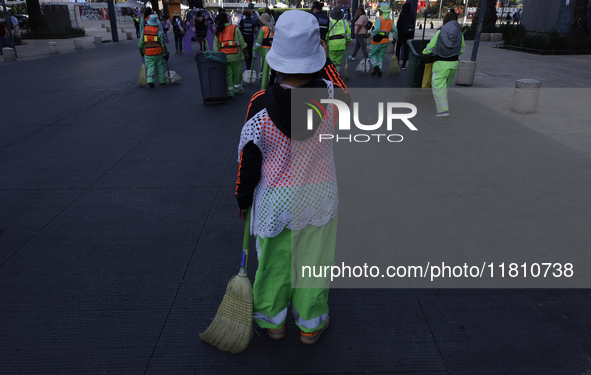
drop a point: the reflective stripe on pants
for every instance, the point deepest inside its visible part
(273, 287)
(444, 74)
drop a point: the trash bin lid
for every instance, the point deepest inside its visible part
(216, 56)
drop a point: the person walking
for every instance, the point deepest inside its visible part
(153, 50)
(322, 19)
(405, 27)
(339, 36)
(136, 23)
(264, 41)
(289, 179)
(248, 27)
(447, 45)
(178, 28)
(228, 39)
(201, 30)
(3, 37)
(359, 29)
(517, 17)
(383, 28)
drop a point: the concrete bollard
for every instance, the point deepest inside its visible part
(525, 96)
(53, 48)
(129, 36)
(484, 37)
(9, 55)
(108, 29)
(466, 71)
(103, 25)
(98, 41)
(496, 37)
(78, 43)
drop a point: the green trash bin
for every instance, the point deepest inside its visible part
(416, 64)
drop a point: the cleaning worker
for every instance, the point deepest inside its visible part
(264, 41)
(229, 40)
(383, 28)
(288, 177)
(338, 35)
(153, 50)
(447, 45)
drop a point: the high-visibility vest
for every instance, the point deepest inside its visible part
(385, 30)
(267, 38)
(337, 28)
(152, 45)
(227, 43)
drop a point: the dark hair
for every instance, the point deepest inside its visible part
(220, 22)
(147, 12)
(449, 16)
(199, 14)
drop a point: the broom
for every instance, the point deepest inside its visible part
(142, 78)
(394, 68)
(347, 76)
(231, 329)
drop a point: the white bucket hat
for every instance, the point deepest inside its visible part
(296, 44)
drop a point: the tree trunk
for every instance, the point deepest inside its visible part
(37, 22)
(154, 6)
(490, 16)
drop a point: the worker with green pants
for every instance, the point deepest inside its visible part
(263, 45)
(153, 50)
(447, 45)
(338, 35)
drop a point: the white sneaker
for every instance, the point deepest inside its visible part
(352, 58)
(443, 114)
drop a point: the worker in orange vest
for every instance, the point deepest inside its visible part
(383, 28)
(229, 40)
(153, 50)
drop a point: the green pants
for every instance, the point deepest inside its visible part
(155, 64)
(280, 280)
(444, 73)
(234, 77)
(264, 67)
(336, 56)
(376, 54)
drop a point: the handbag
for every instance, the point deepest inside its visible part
(427, 75)
(378, 37)
(364, 66)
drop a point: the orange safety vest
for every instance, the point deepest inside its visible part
(385, 29)
(267, 38)
(226, 38)
(152, 45)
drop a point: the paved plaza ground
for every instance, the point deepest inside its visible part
(120, 226)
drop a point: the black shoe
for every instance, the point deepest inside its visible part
(375, 70)
(151, 84)
(379, 73)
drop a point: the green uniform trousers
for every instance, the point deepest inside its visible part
(376, 54)
(264, 67)
(280, 280)
(234, 77)
(155, 64)
(336, 56)
(444, 74)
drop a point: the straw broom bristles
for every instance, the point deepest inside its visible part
(394, 68)
(231, 329)
(347, 76)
